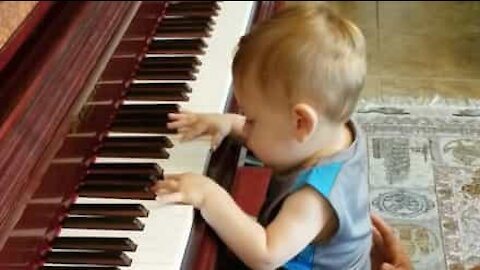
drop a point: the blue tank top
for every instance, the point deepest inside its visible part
(343, 181)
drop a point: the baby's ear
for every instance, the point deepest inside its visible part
(305, 121)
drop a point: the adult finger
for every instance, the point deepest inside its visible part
(387, 266)
(384, 229)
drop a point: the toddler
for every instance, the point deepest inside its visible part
(297, 78)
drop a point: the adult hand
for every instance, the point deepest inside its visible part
(387, 252)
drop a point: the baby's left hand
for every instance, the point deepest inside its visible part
(188, 188)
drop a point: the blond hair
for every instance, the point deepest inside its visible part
(305, 53)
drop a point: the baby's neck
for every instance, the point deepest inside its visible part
(342, 139)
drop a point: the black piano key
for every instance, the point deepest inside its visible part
(118, 210)
(162, 141)
(211, 4)
(167, 70)
(157, 116)
(157, 119)
(144, 118)
(103, 223)
(116, 192)
(135, 152)
(206, 26)
(153, 74)
(147, 177)
(149, 95)
(94, 243)
(77, 267)
(169, 66)
(143, 151)
(159, 87)
(170, 61)
(148, 108)
(126, 168)
(129, 180)
(187, 21)
(183, 33)
(114, 258)
(177, 46)
(141, 126)
(191, 9)
(159, 91)
(183, 28)
(194, 7)
(193, 27)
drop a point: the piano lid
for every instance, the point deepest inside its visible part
(42, 86)
(19, 21)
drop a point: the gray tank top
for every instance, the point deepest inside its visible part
(343, 180)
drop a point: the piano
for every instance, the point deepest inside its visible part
(84, 92)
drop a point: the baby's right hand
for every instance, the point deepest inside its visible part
(193, 125)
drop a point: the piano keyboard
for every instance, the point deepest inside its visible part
(115, 222)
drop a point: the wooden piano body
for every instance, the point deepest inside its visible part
(66, 70)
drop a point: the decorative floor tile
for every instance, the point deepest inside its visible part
(422, 241)
(459, 151)
(458, 191)
(400, 162)
(402, 203)
(425, 181)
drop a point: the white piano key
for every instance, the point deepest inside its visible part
(162, 243)
(184, 157)
(133, 266)
(140, 266)
(150, 205)
(211, 90)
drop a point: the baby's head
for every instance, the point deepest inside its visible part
(297, 79)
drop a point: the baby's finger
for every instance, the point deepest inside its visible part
(216, 140)
(175, 197)
(195, 132)
(167, 184)
(171, 176)
(185, 111)
(176, 116)
(183, 129)
(178, 124)
(162, 191)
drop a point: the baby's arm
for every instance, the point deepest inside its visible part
(193, 125)
(238, 122)
(301, 218)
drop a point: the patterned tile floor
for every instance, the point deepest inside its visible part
(425, 181)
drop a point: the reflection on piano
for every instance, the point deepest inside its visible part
(85, 88)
